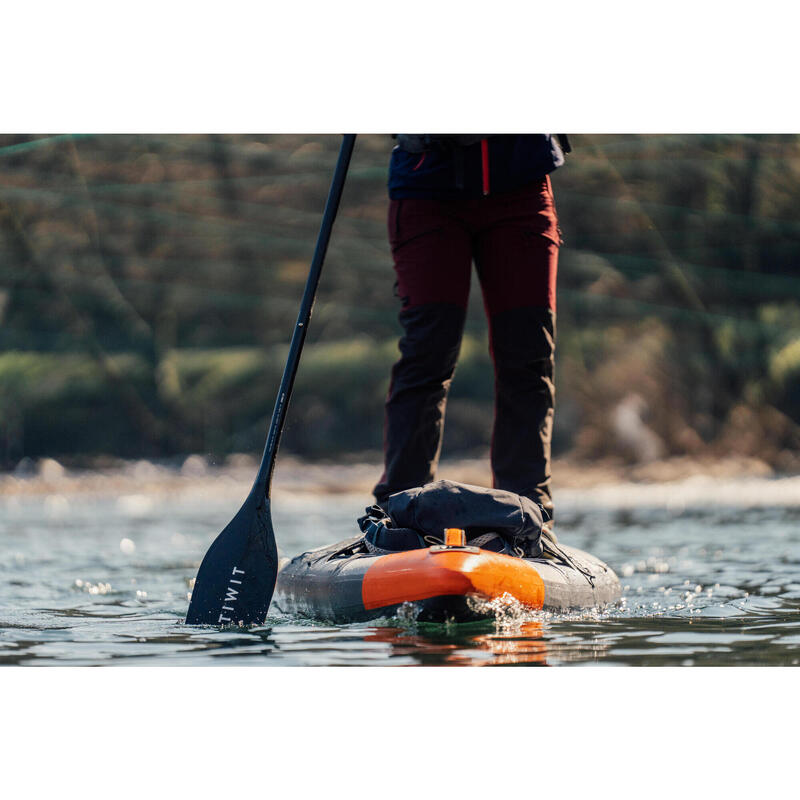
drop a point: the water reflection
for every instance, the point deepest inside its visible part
(455, 645)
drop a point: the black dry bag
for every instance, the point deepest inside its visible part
(479, 511)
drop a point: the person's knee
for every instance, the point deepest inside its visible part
(431, 342)
(523, 342)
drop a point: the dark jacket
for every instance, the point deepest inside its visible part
(442, 167)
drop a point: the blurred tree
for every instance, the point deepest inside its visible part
(183, 259)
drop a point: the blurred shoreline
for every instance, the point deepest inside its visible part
(292, 475)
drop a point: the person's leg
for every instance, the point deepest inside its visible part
(432, 260)
(516, 254)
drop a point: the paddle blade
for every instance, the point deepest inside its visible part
(237, 577)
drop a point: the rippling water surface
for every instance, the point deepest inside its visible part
(707, 580)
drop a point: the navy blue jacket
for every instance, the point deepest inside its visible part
(442, 172)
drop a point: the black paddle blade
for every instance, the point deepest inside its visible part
(235, 582)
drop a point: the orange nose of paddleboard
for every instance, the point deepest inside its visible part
(430, 572)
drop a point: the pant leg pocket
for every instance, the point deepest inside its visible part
(412, 218)
(533, 208)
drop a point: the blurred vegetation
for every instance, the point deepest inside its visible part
(149, 286)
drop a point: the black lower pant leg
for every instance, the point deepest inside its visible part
(415, 405)
(523, 349)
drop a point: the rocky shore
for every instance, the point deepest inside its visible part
(235, 475)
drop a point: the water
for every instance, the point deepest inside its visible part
(103, 580)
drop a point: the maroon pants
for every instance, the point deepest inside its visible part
(513, 238)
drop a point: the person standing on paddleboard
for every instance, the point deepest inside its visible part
(455, 199)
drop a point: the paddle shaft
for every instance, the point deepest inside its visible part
(236, 579)
(264, 478)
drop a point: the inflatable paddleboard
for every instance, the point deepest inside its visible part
(346, 582)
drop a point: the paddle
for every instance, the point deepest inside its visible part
(236, 579)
